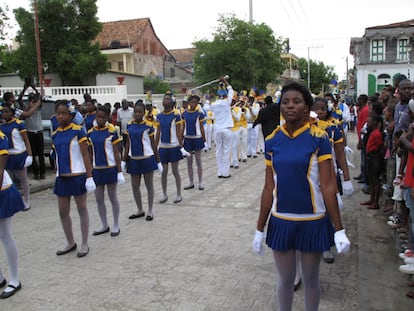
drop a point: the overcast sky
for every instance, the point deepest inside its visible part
(325, 27)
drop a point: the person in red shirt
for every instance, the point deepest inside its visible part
(407, 141)
(374, 159)
(117, 105)
(363, 111)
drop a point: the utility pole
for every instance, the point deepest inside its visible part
(347, 77)
(251, 11)
(39, 56)
(310, 47)
(308, 69)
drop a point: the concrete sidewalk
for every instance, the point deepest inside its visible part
(195, 255)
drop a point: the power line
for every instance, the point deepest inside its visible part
(322, 39)
(287, 13)
(294, 11)
(303, 12)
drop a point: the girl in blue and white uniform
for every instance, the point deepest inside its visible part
(301, 196)
(20, 151)
(142, 158)
(10, 203)
(73, 174)
(194, 139)
(106, 167)
(90, 115)
(327, 123)
(170, 141)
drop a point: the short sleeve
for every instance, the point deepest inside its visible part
(337, 135)
(82, 136)
(4, 144)
(325, 149)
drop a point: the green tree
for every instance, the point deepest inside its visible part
(155, 85)
(320, 75)
(67, 30)
(4, 34)
(4, 24)
(248, 53)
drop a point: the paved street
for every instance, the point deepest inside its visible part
(195, 255)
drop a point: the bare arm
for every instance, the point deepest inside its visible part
(266, 199)
(31, 110)
(158, 136)
(329, 190)
(3, 159)
(20, 98)
(117, 156)
(126, 150)
(86, 159)
(180, 132)
(340, 157)
(26, 143)
(203, 134)
(155, 149)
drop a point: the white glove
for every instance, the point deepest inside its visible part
(350, 164)
(28, 161)
(160, 168)
(257, 242)
(123, 165)
(185, 153)
(347, 188)
(120, 178)
(348, 150)
(339, 199)
(90, 185)
(341, 242)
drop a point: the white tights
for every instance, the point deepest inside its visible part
(286, 266)
(190, 171)
(100, 202)
(176, 173)
(24, 181)
(10, 249)
(136, 191)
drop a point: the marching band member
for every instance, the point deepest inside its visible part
(223, 123)
(170, 141)
(20, 151)
(245, 115)
(142, 159)
(325, 123)
(107, 169)
(236, 114)
(11, 202)
(73, 176)
(252, 132)
(151, 113)
(209, 129)
(194, 138)
(90, 114)
(299, 156)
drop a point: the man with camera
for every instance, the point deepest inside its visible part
(34, 127)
